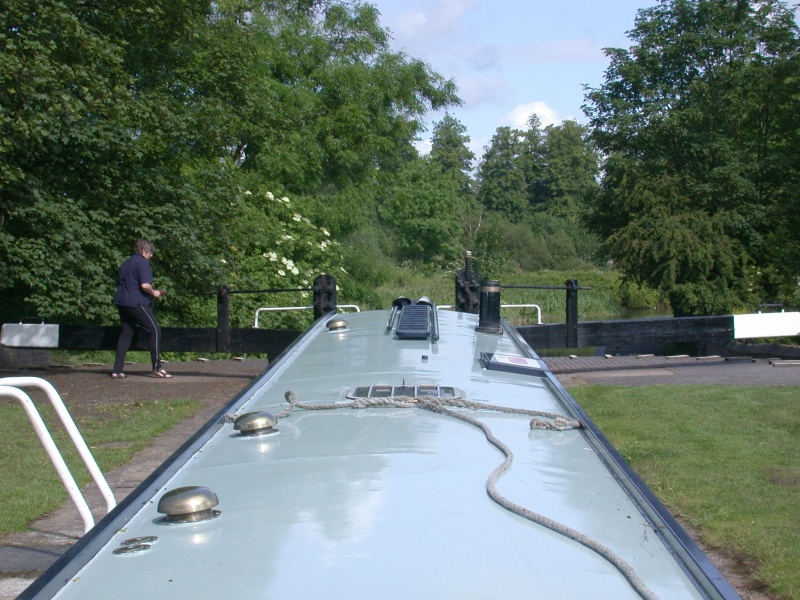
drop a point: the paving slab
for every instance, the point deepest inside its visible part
(661, 370)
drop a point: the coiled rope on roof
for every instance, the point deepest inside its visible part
(557, 422)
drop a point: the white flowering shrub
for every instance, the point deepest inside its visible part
(274, 246)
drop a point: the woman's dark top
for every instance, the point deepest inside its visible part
(132, 274)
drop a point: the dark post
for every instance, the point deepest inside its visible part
(572, 313)
(223, 326)
(324, 290)
(489, 319)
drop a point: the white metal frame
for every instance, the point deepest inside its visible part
(10, 386)
(536, 306)
(279, 308)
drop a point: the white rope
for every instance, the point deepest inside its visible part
(558, 422)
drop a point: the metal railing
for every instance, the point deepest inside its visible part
(282, 308)
(536, 306)
(10, 386)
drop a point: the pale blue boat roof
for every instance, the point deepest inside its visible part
(386, 502)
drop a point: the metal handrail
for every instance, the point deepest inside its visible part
(10, 386)
(536, 306)
(278, 308)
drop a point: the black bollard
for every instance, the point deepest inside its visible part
(489, 315)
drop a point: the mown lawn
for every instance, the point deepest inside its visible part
(114, 433)
(724, 459)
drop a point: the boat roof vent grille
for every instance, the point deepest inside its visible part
(385, 390)
(415, 322)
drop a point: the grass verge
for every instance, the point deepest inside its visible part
(724, 459)
(114, 432)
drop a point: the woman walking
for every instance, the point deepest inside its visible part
(134, 290)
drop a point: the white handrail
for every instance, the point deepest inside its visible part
(536, 306)
(52, 451)
(278, 308)
(72, 431)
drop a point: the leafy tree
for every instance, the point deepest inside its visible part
(502, 182)
(450, 150)
(320, 101)
(698, 121)
(125, 119)
(532, 160)
(570, 171)
(277, 247)
(423, 211)
(83, 164)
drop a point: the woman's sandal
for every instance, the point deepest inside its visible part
(161, 374)
(118, 376)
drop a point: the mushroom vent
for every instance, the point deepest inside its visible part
(256, 423)
(415, 322)
(188, 505)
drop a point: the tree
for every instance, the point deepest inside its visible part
(698, 124)
(532, 160)
(450, 150)
(81, 161)
(570, 171)
(502, 182)
(148, 118)
(320, 101)
(423, 210)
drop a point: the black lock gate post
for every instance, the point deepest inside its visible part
(223, 340)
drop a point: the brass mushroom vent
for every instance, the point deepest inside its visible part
(256, 423)
(190, 504)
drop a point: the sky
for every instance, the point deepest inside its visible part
(511, 58)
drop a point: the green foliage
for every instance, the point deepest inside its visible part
(91, 159)
(423, 211)
(277, 247)
(535, 185)
(541, 241)
(634, 296)
(532, 161)
(450, 150)
(368, 265)
(148, 119)
(503, 187)
(570, 171)
(699, 123)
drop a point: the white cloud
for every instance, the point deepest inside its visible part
(519, 115)
(423, 146)
(430, 21)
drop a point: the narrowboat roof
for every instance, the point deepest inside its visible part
(391, 501)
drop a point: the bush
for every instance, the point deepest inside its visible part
(636, 296)
(367, 265)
